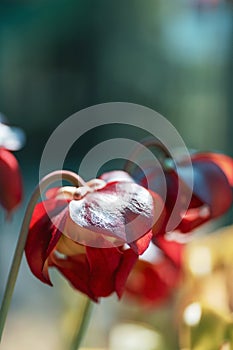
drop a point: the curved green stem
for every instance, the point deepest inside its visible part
(76, 180)
(164, 153)
(78, 337)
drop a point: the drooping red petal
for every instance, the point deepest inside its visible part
(109, 269)
(103, 264)
(76, 270)
(10, 180)
(121, 210)
(43, 236)
(99, 272)
(128, 261)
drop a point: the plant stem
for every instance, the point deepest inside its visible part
(153, 143)
(78, 337)
(76, 180)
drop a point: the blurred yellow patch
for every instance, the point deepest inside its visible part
(206, 307)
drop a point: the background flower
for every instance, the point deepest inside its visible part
(211, 193)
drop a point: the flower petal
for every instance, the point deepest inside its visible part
(43, 235)
(103, 264)
(123, 211)
(211, 186)
(109, 269)
(127, 263)
(172, 249)
(99, 272)
(225, 163)
(76, 270)
(152, 283)
(140, 245)
(10, 180)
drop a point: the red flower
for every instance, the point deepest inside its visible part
(10, 181)
(211, 195)
(84, 235)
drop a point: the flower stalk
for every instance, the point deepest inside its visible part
(82, 326)
(76, 180)
(163, 154)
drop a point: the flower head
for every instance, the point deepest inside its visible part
(211, 195)
(92, 234)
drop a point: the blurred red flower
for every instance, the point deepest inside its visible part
(152, 281)
(211, 195)
(10, 181)
(83, 232)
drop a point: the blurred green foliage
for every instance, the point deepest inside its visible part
(58, 57)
